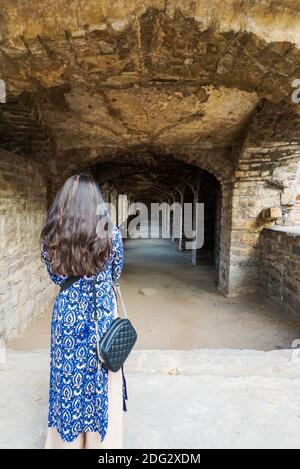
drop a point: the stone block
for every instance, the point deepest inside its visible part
(97, 27)
(272, 213)
(80, 33)
(296, 250)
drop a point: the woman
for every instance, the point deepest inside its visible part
(85, 401)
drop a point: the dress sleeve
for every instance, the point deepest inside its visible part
(117, 264)
(58, 279)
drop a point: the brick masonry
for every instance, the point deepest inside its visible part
(265, 177)
(25, 290)
(280, 268)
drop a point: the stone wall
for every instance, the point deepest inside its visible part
(25, 291)
(280, 268)
(265, 177)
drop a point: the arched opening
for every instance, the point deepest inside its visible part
(172, 192)
(166, 281)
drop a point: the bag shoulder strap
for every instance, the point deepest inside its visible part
(74, 278)
(118, 292)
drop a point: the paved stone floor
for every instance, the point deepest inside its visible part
(219, 399)
(207, 372)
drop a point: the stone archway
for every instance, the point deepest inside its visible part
(205, 84)
(162, 100)
(158, 178)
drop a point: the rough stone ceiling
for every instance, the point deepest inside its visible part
(174, 76)
(249, 44)
(150, 177)
(201, 116)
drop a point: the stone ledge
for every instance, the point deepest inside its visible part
(289, 230)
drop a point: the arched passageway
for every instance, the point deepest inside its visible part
(154, 96)
(163, 102)
(182, 198)
(175, 305)
(166, 105)
(171, 286)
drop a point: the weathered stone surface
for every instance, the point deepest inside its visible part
(166, 71)
(223, 388)
(174, 76)
(24, 286)
(280, 272)
(152, 96)
(266, 177)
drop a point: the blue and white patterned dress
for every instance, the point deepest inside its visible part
(78, 397)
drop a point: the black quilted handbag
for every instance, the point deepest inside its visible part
(117, 342)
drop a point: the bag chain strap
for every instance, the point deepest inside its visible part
(117, 291)
(96, 326)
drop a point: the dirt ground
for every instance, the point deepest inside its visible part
(175, 305)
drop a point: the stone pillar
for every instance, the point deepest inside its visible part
(243, 203)
(181, 239)
(204, 219)
(216, 253)
(165, 228)
(196, 251)
(105, 192)
(123, 214)
(171, 220)
(264, 179)
(175, 217)
(113, 205)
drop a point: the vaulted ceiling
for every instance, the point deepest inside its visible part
(94, 82)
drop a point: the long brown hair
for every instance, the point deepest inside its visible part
(77, 235)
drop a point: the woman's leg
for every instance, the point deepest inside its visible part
(91, 440)
(114, 435)
(54, 441)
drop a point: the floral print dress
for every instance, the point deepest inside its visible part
(78, 396)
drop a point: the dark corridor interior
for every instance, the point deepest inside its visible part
(149, 178)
